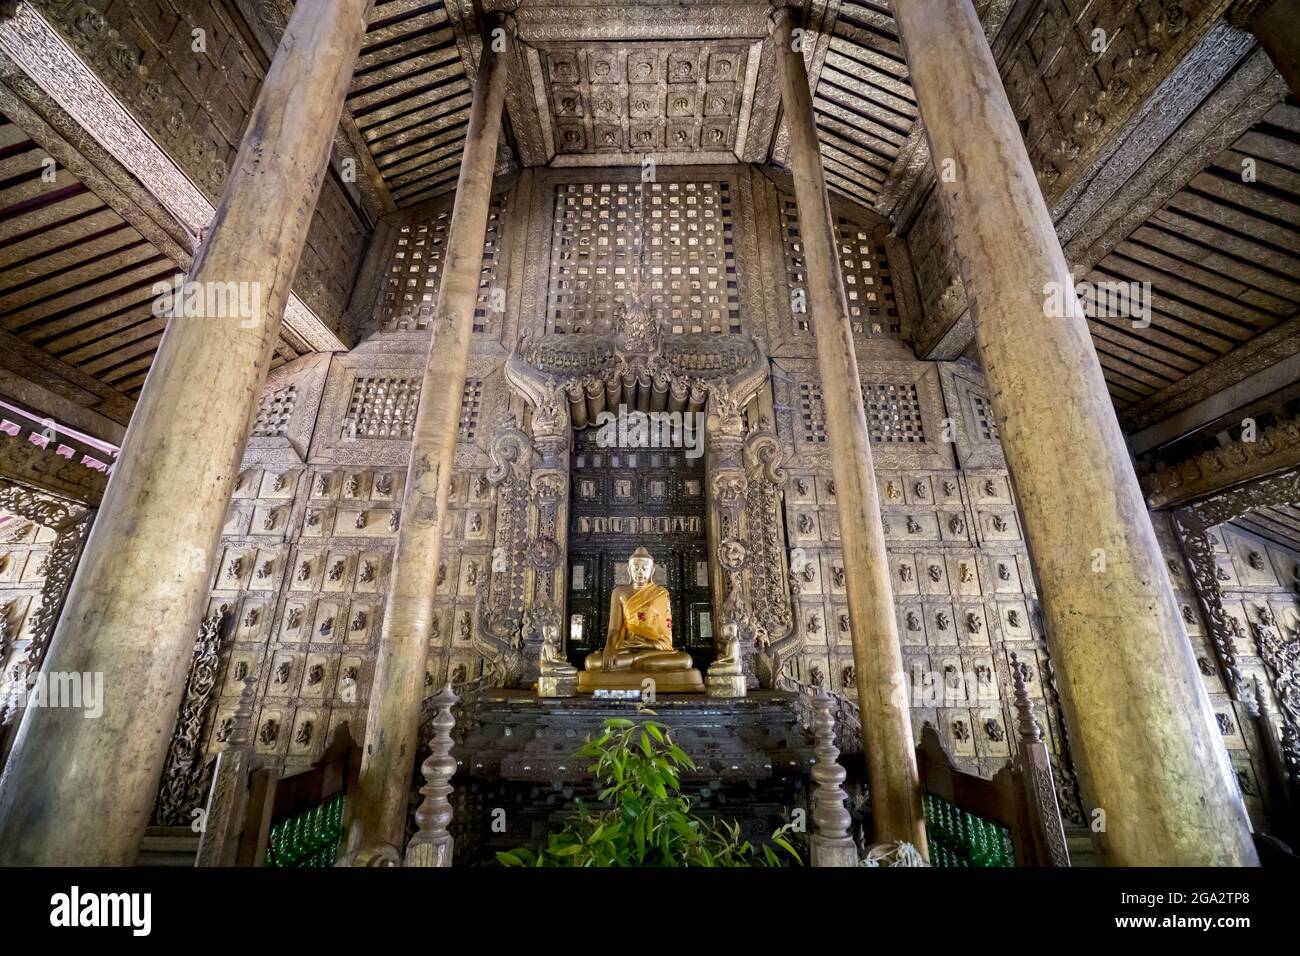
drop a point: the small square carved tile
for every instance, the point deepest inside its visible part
(571, 137)
(606, 136)
(607, 104)
(564, 67)
(602, 67)
(720, 100)
(724, 65)
(643, 66)
(643, 103)
(683, 67)
(715, 135)
(568, 103)
(681, 101)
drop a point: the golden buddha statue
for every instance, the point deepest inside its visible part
(639, 643)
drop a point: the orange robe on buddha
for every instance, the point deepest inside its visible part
(647, 622)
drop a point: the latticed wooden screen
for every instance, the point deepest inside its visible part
(411, 286)
(676, 239)
(893, 412)
(382, 406)
(274, 412)
(868, 286)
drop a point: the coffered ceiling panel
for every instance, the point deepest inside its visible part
(613, 103)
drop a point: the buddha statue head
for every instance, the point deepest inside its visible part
(641, 567)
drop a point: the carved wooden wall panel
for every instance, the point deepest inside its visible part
(307, 548)
(41, 537)
(962, 580)
(1256, 584)
(24, 554)
(193, 93)
(938, 278)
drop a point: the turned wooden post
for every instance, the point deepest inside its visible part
(77, 791)
(1036, 778)
(432, 843)
(227, 804)
(392, 722)
(832, 844)
(1144, 740)
(877, 654)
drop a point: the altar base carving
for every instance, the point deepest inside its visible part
(564, 686)
(663, 682)
(725, 685)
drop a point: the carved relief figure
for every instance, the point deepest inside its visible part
(270, 731)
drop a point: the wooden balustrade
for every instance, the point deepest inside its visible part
(968, 815)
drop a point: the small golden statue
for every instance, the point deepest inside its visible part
(640, 639)
(726, 677)
(556, 676)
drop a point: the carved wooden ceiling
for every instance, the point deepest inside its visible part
(599, 83)
(682, 101)
(1279, 523)
(1223, 259)
(76, 280)
(410, 98)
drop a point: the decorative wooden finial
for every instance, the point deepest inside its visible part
(432, 843)
(242, 719)
(1026, 723)
(832, 845)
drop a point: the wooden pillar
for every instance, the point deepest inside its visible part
(79, 790)
(1276, 25)
(886, 721)
(1143, 736)
(378, 813)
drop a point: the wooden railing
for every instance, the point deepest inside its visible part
(1010, 820)
(302, 814)
(255, 817)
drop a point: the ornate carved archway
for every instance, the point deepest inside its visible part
(565, 382)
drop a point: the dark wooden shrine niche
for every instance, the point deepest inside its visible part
(622, 499)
